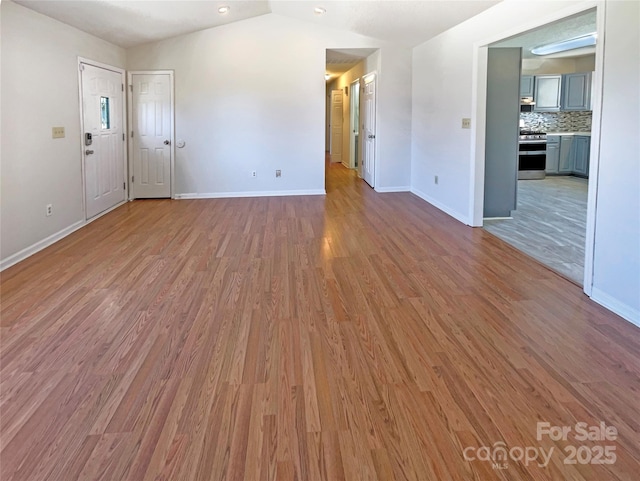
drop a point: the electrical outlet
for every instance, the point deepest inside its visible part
(435, 179)
(254, 173)
(49, 210)
(57, 132)
(278, 173)
(466, 123)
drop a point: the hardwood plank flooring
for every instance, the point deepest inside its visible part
(357, 336)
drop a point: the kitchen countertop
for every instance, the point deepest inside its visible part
(569, 133)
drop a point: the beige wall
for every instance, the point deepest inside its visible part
(339, 84)
(541, 66)
(361, 69)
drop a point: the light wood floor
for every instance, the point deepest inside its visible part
(357, 336)
(549, 224)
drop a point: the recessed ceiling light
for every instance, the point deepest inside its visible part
(569, 44)
(319, 10)
(224, 9)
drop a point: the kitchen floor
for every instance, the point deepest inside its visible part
(549, 223)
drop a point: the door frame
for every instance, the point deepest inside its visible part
(376, 79)
(353, 87)
(172, 147)
(478, 128)
(81, 61)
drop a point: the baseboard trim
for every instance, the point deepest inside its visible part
(38, 246)
(52, 239)
(456, 215)
(266, 193)
(628, 313)
(403, 188)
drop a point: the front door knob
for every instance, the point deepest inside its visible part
(167, 142)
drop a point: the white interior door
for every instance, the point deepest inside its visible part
(336, 126)
(354, 124)
(369, 129)
(103, 138)
(152, 115)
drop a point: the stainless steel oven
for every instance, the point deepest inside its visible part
(532, 155)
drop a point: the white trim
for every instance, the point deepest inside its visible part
(623, 310)
(52, 239)
(594, 156)
(401, 188)
(264, 193)
(498, 218)
(129, 95)
(38, 246)
(352, 159)
(123, 120)
(456, 215)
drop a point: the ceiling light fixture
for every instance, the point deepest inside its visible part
(327, 76)
(224, 9)
(569, 44)
(319, 11)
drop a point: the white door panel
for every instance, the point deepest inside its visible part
(336, 126)
(369, 130)
(102, 117)
(151, 114)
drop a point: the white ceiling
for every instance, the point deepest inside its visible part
(130, 23)
(342, 60)
(564, 29)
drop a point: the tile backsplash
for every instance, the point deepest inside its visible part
(557, 121)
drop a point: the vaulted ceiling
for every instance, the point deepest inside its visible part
(129, 23)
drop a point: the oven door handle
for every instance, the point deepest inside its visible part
(533, 152)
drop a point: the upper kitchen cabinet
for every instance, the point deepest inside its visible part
(526, 85)
(548, 93)
(576, 93)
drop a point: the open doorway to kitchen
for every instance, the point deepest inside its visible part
(553, 143)
(344, 76)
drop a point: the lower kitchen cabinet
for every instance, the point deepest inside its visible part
(567, 153)
(553, 154)
(581, 150)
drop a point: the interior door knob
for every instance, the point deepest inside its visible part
(167, 142)
(88, 152)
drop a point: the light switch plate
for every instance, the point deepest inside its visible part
(466, 123)
(57, 132)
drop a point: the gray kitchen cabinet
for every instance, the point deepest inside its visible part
(576, 91)
(526, 85)
(581, 148)
(553, 154)
(567, 153)
(548, 93)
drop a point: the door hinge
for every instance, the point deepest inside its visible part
(131, 88)
(132, 177)
(124, 186)
(122, 85)
(81, 66)
(123, 136)
(132, 134)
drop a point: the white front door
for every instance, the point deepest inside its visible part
(354, 124)
(151, 126)
(336, 126)
(103, 140)
(369, 129)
